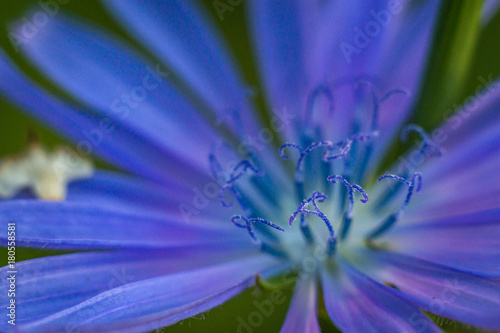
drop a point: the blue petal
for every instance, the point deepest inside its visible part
(119, 145)
(479, 113)
(467, 242)
(70, 225)
(440, 290)
(464, 179)
(302, 315)
(49, 285)
(340, 26)
(118, 84)
(381, 33)
(179, 33)
(137, 195)
(282, 37)
(463, 175)
(153, 303)
(413, 30)
(356, 303)
(490, 9)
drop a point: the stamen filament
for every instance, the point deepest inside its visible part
(320, 90)
(346, 145)
(302, 209)
(374, 122)
(248, 224)
(428, 147)
(238, 171)
(347, 217)
(299, 177)
(390, 221)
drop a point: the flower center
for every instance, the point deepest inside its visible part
(319, 165)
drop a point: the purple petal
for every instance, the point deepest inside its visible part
(138, 195)
(180, 34)
(467, 242)
(343, 49)
(119, 145)
(369, 40)
(461, 181)
(463, 178)
(490, 9)
(356, 303)
(440, 290)
(49, 285)
(302, 315)
(413, 30)
(158, 302)
(282, 37)
(478, 114)
(80, 225)
(117, 83)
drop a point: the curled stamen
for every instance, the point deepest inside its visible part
(428, 146)
(303, 209)
(299, 178)
(414, 184)
(238, 171)
(303, 152)
(216, 169)
(374, 122)
(347, 218)
(393, 92)
(320, 90)
(375, 101)
(299, 186)
(248, 224)
(287, 145)
(345, 146)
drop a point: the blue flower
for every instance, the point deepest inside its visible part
(209, 204)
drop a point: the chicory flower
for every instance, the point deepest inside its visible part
(213, 202)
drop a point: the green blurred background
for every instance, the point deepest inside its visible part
(462, 47)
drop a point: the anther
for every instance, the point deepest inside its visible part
(248, 224)
(216, 169)
(345, 146)
(303, 209)
(428, 146)
(238, 171)
(313, 97)
(414, 185)
(374, 121)
(299, 178)
(347, 217)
